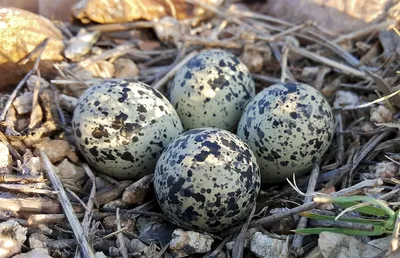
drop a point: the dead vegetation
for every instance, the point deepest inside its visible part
(73, 211)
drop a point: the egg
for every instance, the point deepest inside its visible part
(121, 127)
(288, 126)
(207, 179)
(212, 90)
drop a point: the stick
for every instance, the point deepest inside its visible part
(86, 249)
(26, 77)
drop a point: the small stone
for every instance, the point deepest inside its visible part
(70, 175)
(118, 203)
(249, 235)
(137, 192)
(12, 236)
(253, 60)
(23, 103)
(31, 163)
(367, 127)
(32, 80)
(170, 30)
(345, 98)
(80, 45)
(309, 73)
(68, 103)
(38, 240)
(386, 169)
(335, 245)
(5, 159)
(35, 253)
(186, 243)
(102, 69)
(125, 68)
(381, 114)
(110, 222)
(100, 255)
(153, 230)
(265, 247)
(56, 150)
(137, 246)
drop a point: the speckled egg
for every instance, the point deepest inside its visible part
(122, 127)
(212, 90)
(288, 126)
(207, 179)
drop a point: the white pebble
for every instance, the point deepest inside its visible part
(185, 243)
(264, 247)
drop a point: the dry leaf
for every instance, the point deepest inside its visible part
(336, 16)
(114, 11)
(20, 33)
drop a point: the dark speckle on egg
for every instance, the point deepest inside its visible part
(121, 127)
(288, 126)
(207, 179)
(214, 80)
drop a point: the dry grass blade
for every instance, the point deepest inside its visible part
(238, 247)
(120, 237)
(40, 47)
(86, 249)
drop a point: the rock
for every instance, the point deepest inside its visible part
(35, 253)
(345, 98)
(170, 30)
(309, 73)
(68, 103)
(137, 192)
(381, 114)
(5, 159)
(110, 222)
(137, 246)
(125, 68)
(153, 230)
(12, 236)
(186, 243)
(19, 36)
(56, 150)
(264, 247)
(80, 45)
(314, 253)
(118, 203)
(70, 175)
(249, 235)
(32, 80)
(23, 103)
(38, 240)
(386, 169)
(100, 255)
(334, 245)
(253, 60)
(102, 69)
(31, 163)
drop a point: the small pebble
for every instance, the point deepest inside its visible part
(154, 230)
(309, 73)
(265, 247)
(71, 175)
(68, 103)
(5, 159)
(345, 98)
(253, 60)
(35, 253)
(23, 103)
(38, 240)
(381, 114)
(31, 82)
(56, 150)
(186, 243)
(386, 170)
(137, 246)
(80, 45)
(125, 68)
(12, 236)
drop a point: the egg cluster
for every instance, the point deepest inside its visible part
(205, 178)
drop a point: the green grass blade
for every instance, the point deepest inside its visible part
(315, 216)
(352, 232)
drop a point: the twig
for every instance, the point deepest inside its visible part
(238, 246)
(167, 77)
(86, 249)
(297, 245)
(41, 46)
(162, 251)
(120, 237)
(344, 68)
(217, 250)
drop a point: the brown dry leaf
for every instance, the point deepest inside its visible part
(336, 16)
(111, 11)
(20, 33)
